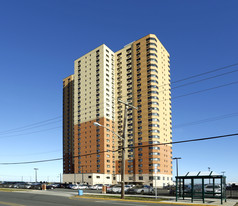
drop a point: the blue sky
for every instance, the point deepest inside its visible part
(39, 40)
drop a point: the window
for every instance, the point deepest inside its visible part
(152, 49)
(152, 65)
(151, 39)
(151, 44)
(140, 177)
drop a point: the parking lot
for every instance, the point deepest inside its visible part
(69, 188)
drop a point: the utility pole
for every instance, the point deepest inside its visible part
(209, 169)
(82, 173)
(156, 169)
(36, 174)
(60, 177)
(177, 158)
(123, 147)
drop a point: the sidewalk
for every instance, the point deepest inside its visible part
(229, 202)
(172, 200)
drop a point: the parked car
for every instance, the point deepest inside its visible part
(96, 187)
(90, 187)
(36, 186)
(117, 188)
(49, 187)
(209, 189)
(232, 187)
(56, 185)
(22, 185)
(8, 184)
(82, 187)
(74, 186)
(140, 189)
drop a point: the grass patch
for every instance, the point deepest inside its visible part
(9, 189)
(119, 197)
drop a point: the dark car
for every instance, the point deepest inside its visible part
(36, 186)
(232, 187)
(49, 187)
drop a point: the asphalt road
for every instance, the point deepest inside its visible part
(38, 199)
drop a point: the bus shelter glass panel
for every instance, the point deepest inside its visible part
(187, 187)
(197, 188)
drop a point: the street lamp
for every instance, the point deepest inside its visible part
(99, 125)
(177, 158)
(36, 174)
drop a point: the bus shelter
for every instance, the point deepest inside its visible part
(201, 185)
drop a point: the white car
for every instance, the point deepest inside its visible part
(74, 186)
(96, 187)
(141, 189)
(82, 187)
(117, 188)
(209, 189)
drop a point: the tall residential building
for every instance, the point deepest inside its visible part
(138, 74)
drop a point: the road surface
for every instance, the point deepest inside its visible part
(39, 199)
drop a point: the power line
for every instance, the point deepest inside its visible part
(184, 95)
(204, 73)
(31, 162)
(185, 141)
(187, 84)
(204, 90)
(31, 154)
(176, 97)
(131, 147)
(206, 120)
(174, 127)
(194, 82)
(31, 132)
(20, 130)
(10, 130)
(190, 77)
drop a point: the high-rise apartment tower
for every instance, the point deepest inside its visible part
(140, 75)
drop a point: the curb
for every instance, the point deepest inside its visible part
(141, 201)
